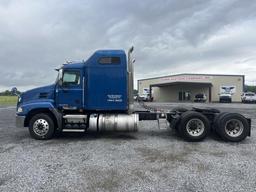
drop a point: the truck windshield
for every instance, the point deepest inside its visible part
(71, 78)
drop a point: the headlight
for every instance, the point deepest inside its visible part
(19, 110)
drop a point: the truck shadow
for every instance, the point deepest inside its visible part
(170, 135)
(93, 135)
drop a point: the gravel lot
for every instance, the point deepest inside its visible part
(150, 160)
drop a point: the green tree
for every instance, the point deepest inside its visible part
(250, 88)
(8, 93)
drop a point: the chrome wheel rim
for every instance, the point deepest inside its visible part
(195, 127)
(234, 127)
(41, 127)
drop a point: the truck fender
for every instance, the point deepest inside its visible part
(58, 117)
(43, 107)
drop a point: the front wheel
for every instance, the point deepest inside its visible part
(194, 126)
(41, 127)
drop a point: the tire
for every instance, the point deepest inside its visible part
(225, 127)
(216, 121)
(41, 127)
(190, 123)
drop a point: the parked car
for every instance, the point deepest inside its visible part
(144, 97)
(225, 97)
(135, 97)
(201, 97)
(248, 97)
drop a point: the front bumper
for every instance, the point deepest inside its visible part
(225, 98)
(20, 121)
(199, 100)
(250, 100)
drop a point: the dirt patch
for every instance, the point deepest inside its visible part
(4, 180)
(218, 153)
(103, 179)
(8, 149)
(153, 155)
(202, 167)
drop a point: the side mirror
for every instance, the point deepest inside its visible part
(60, 77)
(60, 82)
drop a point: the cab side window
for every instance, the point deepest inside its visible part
(109, 60)
(71, 78)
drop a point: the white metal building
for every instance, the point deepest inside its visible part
(184, 87)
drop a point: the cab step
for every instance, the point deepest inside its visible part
(75, 116)
(74, 130)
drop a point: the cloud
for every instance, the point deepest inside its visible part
(169, 36)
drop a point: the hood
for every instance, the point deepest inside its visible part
(225, 95)
(46, 92)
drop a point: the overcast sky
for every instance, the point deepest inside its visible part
(170, 37)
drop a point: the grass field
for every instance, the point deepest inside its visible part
(8, 100)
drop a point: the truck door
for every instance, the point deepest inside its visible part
(70, 91)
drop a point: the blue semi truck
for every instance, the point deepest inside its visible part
(97, 94)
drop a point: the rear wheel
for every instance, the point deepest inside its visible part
(233, 127)
(41, 127)
(194, 126)
(178, 110)
(216, 122)
(217, 119)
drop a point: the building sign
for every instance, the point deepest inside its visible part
(228, 89)
(189, 78)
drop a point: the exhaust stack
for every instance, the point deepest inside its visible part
(130, 81)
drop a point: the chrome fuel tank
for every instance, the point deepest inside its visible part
(114, 122)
